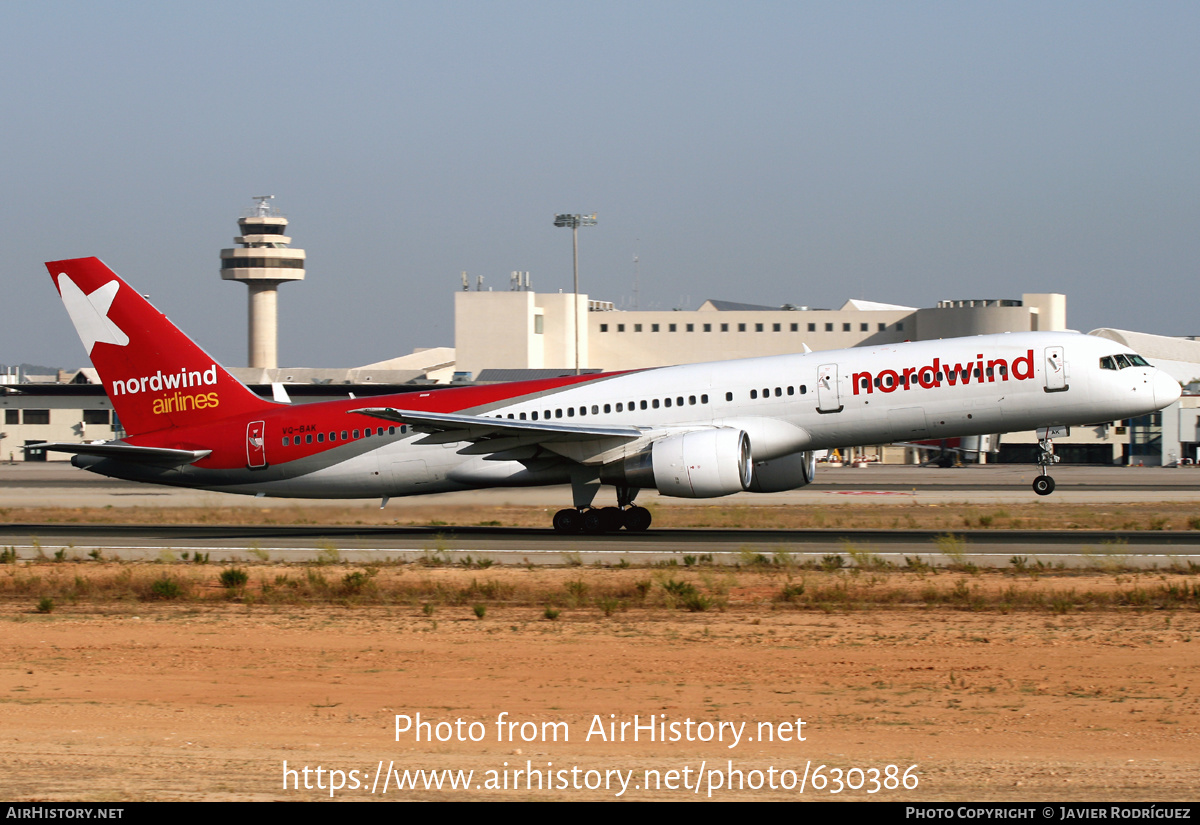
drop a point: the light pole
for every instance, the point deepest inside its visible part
(575, 221)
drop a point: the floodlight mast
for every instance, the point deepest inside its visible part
(574, 222)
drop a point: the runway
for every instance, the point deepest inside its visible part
(985, 548)
(31, 485)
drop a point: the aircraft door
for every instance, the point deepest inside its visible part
(256, 446)
(829, 399)
(1056, 370)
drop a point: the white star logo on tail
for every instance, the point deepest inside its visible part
(89, 313)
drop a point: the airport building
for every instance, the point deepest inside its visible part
(523, 330)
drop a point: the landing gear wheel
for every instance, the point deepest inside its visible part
(637, 519)
(613, 519)
(1043, 485)
(594, 521)
(568, 521)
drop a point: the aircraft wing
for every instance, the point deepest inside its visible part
(505, 438)
(124, 452)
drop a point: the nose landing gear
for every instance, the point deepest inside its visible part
(1043, 485)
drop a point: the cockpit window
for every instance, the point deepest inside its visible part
(1122, 360)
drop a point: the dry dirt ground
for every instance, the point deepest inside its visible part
(208, 698)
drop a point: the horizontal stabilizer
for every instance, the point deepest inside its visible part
(124, 452)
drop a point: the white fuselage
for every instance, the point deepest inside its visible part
(786, 404)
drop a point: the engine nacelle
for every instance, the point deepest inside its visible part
(699, 464)
(788, 472)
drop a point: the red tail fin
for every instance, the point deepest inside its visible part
(155, 375)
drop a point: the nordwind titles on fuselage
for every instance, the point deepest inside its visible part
(932, 375)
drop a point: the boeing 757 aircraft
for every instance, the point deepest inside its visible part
(694, 431)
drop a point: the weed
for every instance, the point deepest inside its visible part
(327, 553)
(916, 564)
(480, 610)
(95, 555)
(165, 588)
(832, 562)
(427, 609)
(952, 547)
(573, 559)
(689, 561)
(8, 555)
(45, 605)
(679, 589)
(233, 577)
(608, 605)
(551, 613)
(791, 592)
(60, 554)
(356, 582)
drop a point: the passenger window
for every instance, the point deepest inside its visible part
(620, 407)
(286, 441)
(644, 405)
(803, 389)
(679, 401)
(654, 403)
(753, 394)
(778, 392)
(728, 396)
(522, 416)
(345, 435)
(607, 408)
(704, 399)
(308, 439)
(791, 390)
(533, 415)
(571, 412)
(667, 402)
(596, 409)
(333, 436)
(356, 433)
(558, 413)
(320, 438)
(692, 400)
(392, 430)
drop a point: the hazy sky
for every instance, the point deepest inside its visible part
(762, 152)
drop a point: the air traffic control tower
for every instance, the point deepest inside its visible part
(262, 262)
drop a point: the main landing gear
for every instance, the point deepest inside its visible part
(596, 520)
(1043, 485)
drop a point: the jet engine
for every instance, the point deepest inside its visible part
(698, 464)
(787, 472)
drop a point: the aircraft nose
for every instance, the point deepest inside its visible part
(1166, 389)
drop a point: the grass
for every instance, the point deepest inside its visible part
(1033, 515)
(622, 593)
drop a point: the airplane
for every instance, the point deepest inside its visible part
(692, 431)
